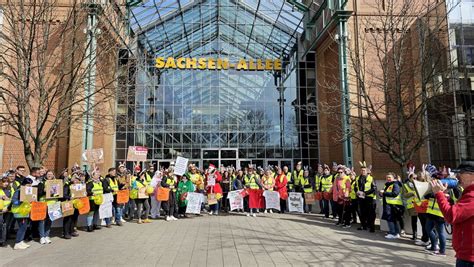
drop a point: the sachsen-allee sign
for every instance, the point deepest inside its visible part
(202, 63)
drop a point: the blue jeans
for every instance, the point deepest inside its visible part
(118, 213)
(92, 218)
(463, 263)
(22, 226)
(393, 228)
(215, 207)
(44, 227)
(440, 234)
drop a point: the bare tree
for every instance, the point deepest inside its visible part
(47, 63)
(398, 61)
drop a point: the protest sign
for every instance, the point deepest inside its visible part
(78, 191)
(67, 208)
(93, 156)
(142, 193)
(211, 180)
(84, 205)
(105, 209)
(194, 203)
(28, 193)
(272, 199)
(123, 196)
(137, 153)
(38, 211)
(295, 201)
(211, 199)
(54, 211)
(309, 198)
(54, 188)
(180, 166)
(256, 200)
(162, 194)
(236, 200)
(422, 188)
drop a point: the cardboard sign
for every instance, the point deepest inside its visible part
(123, 196)
(28, 194)
(54, 188)
(162, 194)
(67, 208)
(142, 193)
(137, 153)
(309, 198)
(295, 201)
(85, 205)
(78, 191)
(272, 199)
(236, 199)
(180, 166)
(54, 211)
(93, 156)
(194, 203)
(38, 211)
(211, 199)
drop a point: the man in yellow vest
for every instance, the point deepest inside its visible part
(252, 181)
(308, 184)
(95, 193)
(297, 177)
(365, 191)
(6, 216)
(392, 205)
(325, 183)
(289, 185)
(317, 182)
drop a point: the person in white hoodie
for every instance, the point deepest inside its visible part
(155, 204)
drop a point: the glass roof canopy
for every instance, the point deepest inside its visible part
(177, 27)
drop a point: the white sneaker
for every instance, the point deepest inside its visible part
(174, 218)
(397, 236)
(216, 213)
(25, 244)
(271, 211)
(254, 215)
(20, 246)
(421, 243)
(389, 236)
(168, 218)
(265, 212)
(43, 241)
(248, 215)
(210, 213)
(48, 240)
(122, 220)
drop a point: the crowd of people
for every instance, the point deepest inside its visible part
(346, 196)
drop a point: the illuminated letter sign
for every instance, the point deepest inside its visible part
(202, 63)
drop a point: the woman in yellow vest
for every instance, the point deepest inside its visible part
(308, 184)
(69, 222)
(350, 210)
(169, 206)
(392, 205)
(325, 184)
(141, 203)
(268, 182)
(23, 219)
(6, 195)
(95, 193)
(44, 226)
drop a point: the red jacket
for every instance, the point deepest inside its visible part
(280, 186)
(461, 217)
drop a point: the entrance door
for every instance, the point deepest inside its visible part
(243, 163)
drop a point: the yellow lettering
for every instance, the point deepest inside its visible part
(202, 63)
(277, 64)
(160, 62)
(242, 64)
(252, 64)
(260, 65)
(268, 64)
(191, 63)
(180, 63)
(211, 64)
(222, 63)
(170, 63)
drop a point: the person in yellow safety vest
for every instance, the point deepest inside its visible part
(15, 184)
(350, 211)
(392, 205)
(410, 196)
(196, 178)
(325, 184)
(317, 185)
(6, 217)
(308, 184)
(365, 191)
(149, 173)
(44, 226)
(110, 186)
(268, 182)
(95, 193)
(252, 181)
(289, 185)
(21, 218)
(141, 202)
(170, 206)
(297, 176)
(70, 222)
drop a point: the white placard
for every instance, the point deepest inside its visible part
(211, 180)
(295, 201)
(272, 199)
(180, 165)
(54, 211)
(194, 203)
(236, 200)
(105, 209)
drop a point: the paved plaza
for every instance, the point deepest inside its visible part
(227, 240)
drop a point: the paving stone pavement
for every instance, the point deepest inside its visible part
(227, 240)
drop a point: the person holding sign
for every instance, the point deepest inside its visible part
(268, 182)
(21, 215)
(307, 182)
(44, 226)
(69, 222)
(95, 191)
(185, 186)
(213, 187)
(169, 206)
(141, 201)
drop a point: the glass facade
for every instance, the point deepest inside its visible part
(228, 117)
